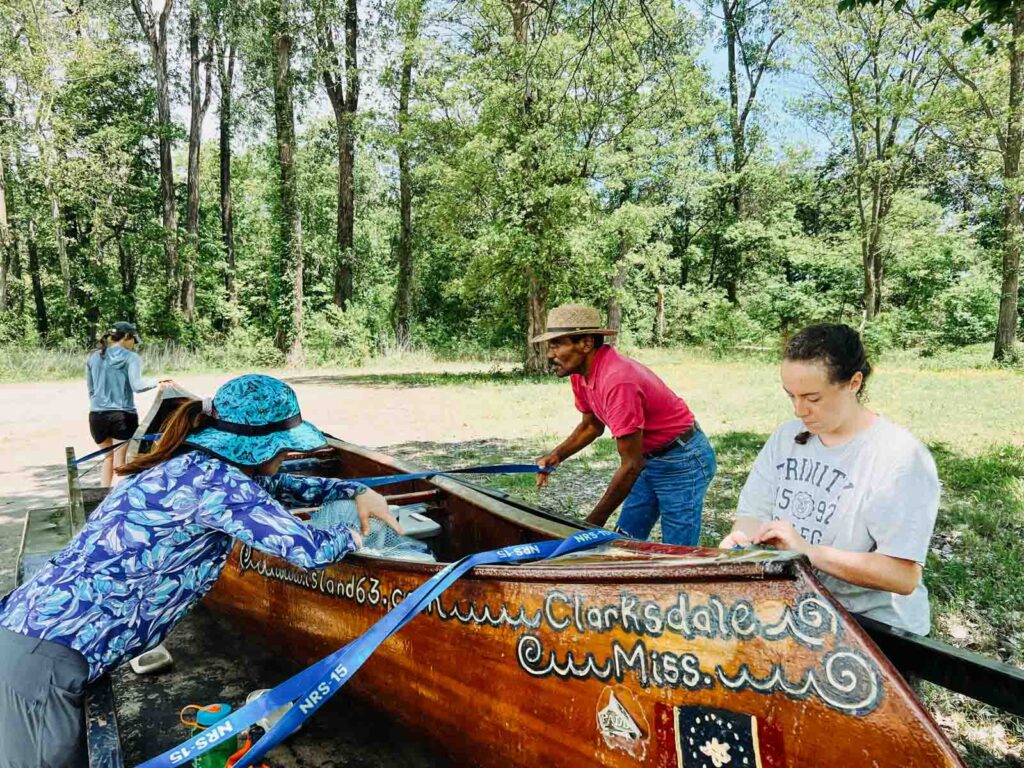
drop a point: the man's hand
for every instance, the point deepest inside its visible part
(372, 504)
(782, 535)
(551, 460)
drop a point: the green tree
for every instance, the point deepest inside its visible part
(874, 75)
(290, 300)
(154, 28)
(340, 75)
(981, 42)
(409, 18)
(752, 33)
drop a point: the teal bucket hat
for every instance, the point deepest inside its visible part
(254, 418)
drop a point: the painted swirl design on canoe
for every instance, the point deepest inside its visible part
(848, 681)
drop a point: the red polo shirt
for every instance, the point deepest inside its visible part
(626, 397)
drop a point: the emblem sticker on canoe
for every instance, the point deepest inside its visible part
(618, 726)
(716, 738)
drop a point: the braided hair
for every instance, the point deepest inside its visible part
(836, 346)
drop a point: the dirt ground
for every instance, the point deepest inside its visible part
(38, 420)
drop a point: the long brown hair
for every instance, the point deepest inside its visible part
(187, 417)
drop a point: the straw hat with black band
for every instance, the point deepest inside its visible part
(573, 320)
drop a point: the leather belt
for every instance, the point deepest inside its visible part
(681, 439)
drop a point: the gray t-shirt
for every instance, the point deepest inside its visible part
(879, 492)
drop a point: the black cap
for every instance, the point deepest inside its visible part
(126, 328)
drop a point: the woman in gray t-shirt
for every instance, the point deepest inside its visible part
(851, 490)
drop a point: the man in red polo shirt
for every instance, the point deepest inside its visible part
(666, 462)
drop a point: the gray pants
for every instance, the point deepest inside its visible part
(41, 714)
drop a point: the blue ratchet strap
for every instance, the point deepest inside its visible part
(358, 651)
(109, 448)
(492, 469)
(312, 687)
(372, 482)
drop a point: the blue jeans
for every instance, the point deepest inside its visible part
(672, 485)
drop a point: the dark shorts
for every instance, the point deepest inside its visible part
(119, 425)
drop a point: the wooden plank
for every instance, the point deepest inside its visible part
(44, 532)
(76, 505)
(103, 737)
(408, 498)
(92, 498)
(983, 679)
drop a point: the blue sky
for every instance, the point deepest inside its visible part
(776, 93)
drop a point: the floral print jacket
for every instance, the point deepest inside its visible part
(155, 547)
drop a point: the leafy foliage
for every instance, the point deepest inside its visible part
(564, 152)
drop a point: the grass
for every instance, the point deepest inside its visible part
(32, 364)
(413, 368)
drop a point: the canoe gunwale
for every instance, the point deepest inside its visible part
(654, 570)
(651, 571)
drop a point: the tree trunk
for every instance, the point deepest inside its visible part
(618, 283)
(5, 267)
(156, 34)
(879, 264)
(346, 211)
(15, 278)
(42, 323)
(729, 270)
(536, 284)
(289, 331)
(343, 91)
(869, 284)
(129, 279)
(199, 102)
(345, 101)
(872, 261)
(1006, 331)
(6, 239)
(227, 226)
(60, 238)
(536, 320)
(659, 317)
(403, 298)
(169, 207)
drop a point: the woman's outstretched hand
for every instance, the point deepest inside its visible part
(372, 504)
(782, 535)
(735, 539)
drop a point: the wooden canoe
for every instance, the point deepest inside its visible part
(637, 654)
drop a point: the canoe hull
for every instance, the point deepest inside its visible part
(605, 660)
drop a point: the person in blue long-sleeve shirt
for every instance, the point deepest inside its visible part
(113, 374)
(155, 547)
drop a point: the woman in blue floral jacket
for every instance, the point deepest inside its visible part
(152, 549)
